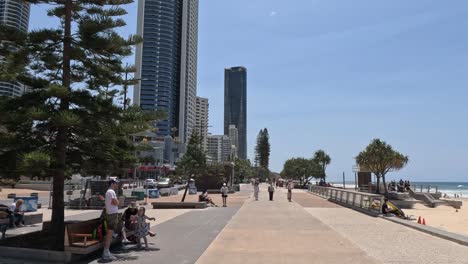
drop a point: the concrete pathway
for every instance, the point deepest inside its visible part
(386, 241)
(280, 232)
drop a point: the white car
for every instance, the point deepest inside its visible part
(150, 183)
(164, 183)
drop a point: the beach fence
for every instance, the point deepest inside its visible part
(425, 188)
(366, 202)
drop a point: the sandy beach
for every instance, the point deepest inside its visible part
(443, 217)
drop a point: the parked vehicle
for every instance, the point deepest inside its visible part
(164, 183)
(150, 183)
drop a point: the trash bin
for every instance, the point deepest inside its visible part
(30, 203)
(173, 191)
(140, 195)
(192, 190)
(153, 193)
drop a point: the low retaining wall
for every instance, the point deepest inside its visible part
(363, 202)
(179, 205)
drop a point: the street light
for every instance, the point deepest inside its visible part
(125, 102)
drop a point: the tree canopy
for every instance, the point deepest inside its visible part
(301, 169)
(68, 119)
(380, 158)
(323, 160)
(262, 153)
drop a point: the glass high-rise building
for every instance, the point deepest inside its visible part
(235, 105)
(166, 63)
(14, 14)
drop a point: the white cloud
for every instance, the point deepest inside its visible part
(273, 13)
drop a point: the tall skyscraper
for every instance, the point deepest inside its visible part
(235, 105)
(166, 63)
(201, 118)
(15, 14)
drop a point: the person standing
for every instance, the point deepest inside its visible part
(224, 194)
(271, 190)
(111, 217)
(256, 189)
(290, 187)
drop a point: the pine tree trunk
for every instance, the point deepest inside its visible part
(378, 184)
(57, 229)
(385, 185)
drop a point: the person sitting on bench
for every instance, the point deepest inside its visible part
(205, 198)
(129, 218)
(15, 214)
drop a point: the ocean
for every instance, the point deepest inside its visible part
(449, 188)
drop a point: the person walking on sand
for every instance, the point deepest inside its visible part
(271, 190)
(111, 217)
(256, 189)
(290, 187)
(224, 194)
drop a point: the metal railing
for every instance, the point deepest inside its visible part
(364, 201)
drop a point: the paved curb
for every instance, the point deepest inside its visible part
(457, 238)
(39, 255)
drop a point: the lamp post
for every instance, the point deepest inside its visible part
(127, 71)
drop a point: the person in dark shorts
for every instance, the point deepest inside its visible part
(111, 217)
(271, 190)
(224, 194)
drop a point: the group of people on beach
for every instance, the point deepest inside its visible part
(271, 189)
(402, 186)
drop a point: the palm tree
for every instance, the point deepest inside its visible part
(322, 158)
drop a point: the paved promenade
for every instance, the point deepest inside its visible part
(308, 230)
(280, 232)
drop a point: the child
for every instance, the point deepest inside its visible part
(142, 227)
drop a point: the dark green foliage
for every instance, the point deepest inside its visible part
(380, 158)
(243, 170)
(69, 119)
(322, 159)
(301, 169)
(194, 160)
(262, 153)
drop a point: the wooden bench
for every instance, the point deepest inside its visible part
(179, 205)
(79, 239)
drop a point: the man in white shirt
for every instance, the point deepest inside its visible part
(224, 194)
(15, 213)
(111, 216)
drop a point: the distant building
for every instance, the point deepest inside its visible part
(235, 105)
(152, 140)
(218, 148)
(14, 14)
(234, 137)
(166, 63)
(201, 119)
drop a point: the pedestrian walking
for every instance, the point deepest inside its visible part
(290, 187)
(111, 217)
(224, 194)
(256, 189)
(271, 191)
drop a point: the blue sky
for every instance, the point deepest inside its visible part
(335, 74)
